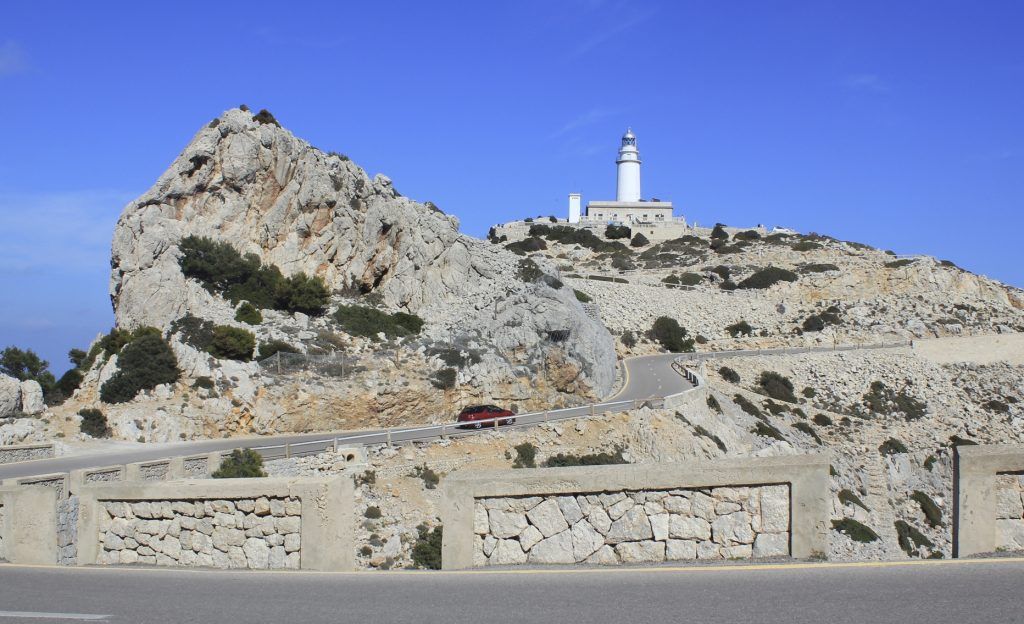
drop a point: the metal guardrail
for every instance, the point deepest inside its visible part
(449, 430)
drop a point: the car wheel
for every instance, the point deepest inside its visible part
(477, 425)
(510, 421)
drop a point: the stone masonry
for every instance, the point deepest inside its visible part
(25, 452)
(1010, 511)
(3, 551)
(633, 526)
(257, 533)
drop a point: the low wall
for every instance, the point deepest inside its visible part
(224, 523)
(730, 508)
(28, 525)
(989, 513)
(25, 452)
(189, 467)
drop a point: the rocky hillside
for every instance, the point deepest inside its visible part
(505, 329)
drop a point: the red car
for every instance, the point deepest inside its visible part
(473, 416)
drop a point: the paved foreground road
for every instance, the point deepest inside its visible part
(974, 592)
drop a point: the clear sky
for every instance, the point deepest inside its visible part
(899, 124)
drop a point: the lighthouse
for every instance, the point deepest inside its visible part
(628, 188)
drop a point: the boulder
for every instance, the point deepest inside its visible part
(641, 552)
(548, 518)
(10, 396)
(632, 526)
(555, 549)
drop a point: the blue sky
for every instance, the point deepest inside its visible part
(899, 124)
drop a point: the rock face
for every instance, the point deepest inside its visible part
(651, 526)
(267, 192)
(10, 395)
(32, 397)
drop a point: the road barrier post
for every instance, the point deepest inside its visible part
(443, 434)
(335, 445)
(545, 415)
(287, 451)
(388, 436)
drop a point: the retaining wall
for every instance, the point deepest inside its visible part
(725, 508)
(25, 452)
(225, 523)
(28, 525)
(989, 513)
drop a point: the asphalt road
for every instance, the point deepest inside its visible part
(965, 592)
(647, 377)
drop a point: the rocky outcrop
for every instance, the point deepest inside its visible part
(266, 192)
(32, 397)
(10, 396)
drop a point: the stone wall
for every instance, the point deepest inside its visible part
(633, 526)
(257, 533)
(3, 552)
(1010, 511)
(67, 531)
(25, 452)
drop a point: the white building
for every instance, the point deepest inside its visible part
(628, 207)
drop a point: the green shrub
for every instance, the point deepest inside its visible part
(897, 264)
(628, 339)
(368, 322)
(767, 277)
(667, 332)
(910, 539)
(713, 404)
(996, 406)
(622, 263)
(426, 552)
(719, 232)
(527, 245)
(776, 386)
(747, 235)
(194, 331)
(365, 551)
(822, 420)
(617, 231)
(232, 343)
(204, 383)
(929, 462)
(444, 379)
(582, 297)
(272, 348)
(805, 246)
(69, 382)
(429, 477)
(526, 456)
(774, 408)
(143, 364)
(689, 279)
(639, 240)
(931, 511)
(372, 512)
(26, 365)
(568, 235)
(884, 400)
(94, 423)
(722, 271)
(767, 430)
(747, 406)
(855, 530)
(264, 117)
(529, 271)
(818, 268)
(808, 429)
(248, 313)
(592, 459)
(222, 270)
(846, 497)
(892, 446)
(741, 328)
(240, 464)
(809, 392)
(955, 441)
(729, 375)
(728, 285)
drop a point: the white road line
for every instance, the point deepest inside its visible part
(52, 616)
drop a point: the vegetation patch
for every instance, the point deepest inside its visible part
(94, 423)
(776, 386)
(526, 456)
(617, 231)
(910, 539)
(847, 497)
(822, 420)
(713, 403)
(808, 429)
(527, 245)
(367, 322)
(767, 277)
(567, 235)
(898, 264)
(426, 552)
(241, 464)
(249, 314)
(805, 246)
(892, 446)
(628, 339)
(670, 335)
(742, 328)
(222, 270)
(884, 400)
(429, 477)
(931, 511)
(683, 279)
(729, 375)
(748, 407)
(856, 531)
(232, 343)
(591, 459)
(582, 297)
(639, 240)
(767, 430)
(821, 320)
(273, 347)
(823, 267)
(445, 379)
(929, 462)
(143, 364)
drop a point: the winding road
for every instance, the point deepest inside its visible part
(647, 378)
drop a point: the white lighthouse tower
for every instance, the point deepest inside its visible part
(628, 189)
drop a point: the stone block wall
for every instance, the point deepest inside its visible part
(67, 531)
(633, 526)
(1010, 511)
(259, 533)
(25, 452)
